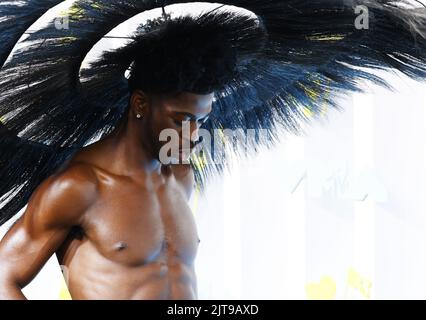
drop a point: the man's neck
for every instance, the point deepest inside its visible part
(130, 154)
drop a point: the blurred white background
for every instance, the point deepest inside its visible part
(338, 213)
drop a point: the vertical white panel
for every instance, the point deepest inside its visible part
(294, 227)
(364, 215)
(232, 234)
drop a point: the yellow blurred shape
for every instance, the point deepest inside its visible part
(64, 294)
(324, 290)
(194, 206)
(356, 281)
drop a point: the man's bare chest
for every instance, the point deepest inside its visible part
(134, 225)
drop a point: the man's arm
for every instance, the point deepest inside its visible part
(57, 205)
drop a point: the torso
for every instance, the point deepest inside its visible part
(137, 241)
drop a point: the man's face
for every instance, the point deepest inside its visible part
(185, 110)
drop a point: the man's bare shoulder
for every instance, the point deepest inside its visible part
(77, 171)
(65, 196)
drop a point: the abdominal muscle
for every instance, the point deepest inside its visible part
(90, 275)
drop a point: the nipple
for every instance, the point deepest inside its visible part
(120, 246)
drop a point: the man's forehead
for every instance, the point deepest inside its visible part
(187, 101)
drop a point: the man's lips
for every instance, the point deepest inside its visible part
(191, 144)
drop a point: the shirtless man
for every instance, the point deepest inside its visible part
(115, 216)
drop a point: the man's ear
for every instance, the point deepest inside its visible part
(139, 103)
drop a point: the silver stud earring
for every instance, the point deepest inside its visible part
(138, 116)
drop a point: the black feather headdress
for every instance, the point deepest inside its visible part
(291, 58)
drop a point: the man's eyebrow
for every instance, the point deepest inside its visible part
(190, 115)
